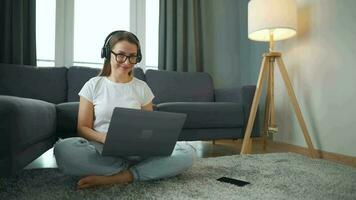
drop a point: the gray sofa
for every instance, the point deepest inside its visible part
(38, 105)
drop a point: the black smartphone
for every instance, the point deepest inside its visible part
(233, 181)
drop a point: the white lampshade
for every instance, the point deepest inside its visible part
(272, 16)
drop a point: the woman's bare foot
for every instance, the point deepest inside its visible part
(92, 181)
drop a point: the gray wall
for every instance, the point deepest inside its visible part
(322, 67)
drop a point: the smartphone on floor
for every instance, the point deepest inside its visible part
(233, 181)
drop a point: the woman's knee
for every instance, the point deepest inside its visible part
(66, 147)
(187, 160)
(185, 156)
(69, 151)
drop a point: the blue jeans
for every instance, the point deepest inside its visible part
(80, 157)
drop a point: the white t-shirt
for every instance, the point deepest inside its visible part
(106, 95)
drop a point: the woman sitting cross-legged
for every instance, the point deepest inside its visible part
(114, 87)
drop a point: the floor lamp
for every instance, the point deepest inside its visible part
(270, 21)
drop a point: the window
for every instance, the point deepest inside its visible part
(45, 32)
(152, 19)
(91, 29)
(73, 32)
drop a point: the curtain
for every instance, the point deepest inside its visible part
(180, 36)
(18, 32)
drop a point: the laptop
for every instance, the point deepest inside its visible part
(142, 133)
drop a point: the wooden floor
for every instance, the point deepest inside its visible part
(206, 149)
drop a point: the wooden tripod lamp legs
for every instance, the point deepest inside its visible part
(256, 99)
(246, 145)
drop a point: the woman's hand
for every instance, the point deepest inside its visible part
(147, 107)
(102, 137)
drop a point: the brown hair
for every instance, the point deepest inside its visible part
(116, 37)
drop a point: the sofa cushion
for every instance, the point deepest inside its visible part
(207, 114)
(78, 76)
(67, 118)
(43, 83)
(138, 73)
(180, 86)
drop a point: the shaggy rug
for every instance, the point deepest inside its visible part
(272, 176)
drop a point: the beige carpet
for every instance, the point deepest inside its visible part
(272, 176)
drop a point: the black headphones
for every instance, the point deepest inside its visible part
(106, 50)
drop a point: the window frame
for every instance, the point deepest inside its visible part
(64, 32)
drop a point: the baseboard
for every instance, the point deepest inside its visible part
(335, 157)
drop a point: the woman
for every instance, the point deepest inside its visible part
(114, 87)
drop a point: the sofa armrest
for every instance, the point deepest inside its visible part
(242, 95)
(228, 95)
(24, 122)
(247, 94)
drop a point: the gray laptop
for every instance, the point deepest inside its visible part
(141, 133)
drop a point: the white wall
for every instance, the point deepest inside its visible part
(321, 62)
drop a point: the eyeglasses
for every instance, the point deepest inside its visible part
(121, 58)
